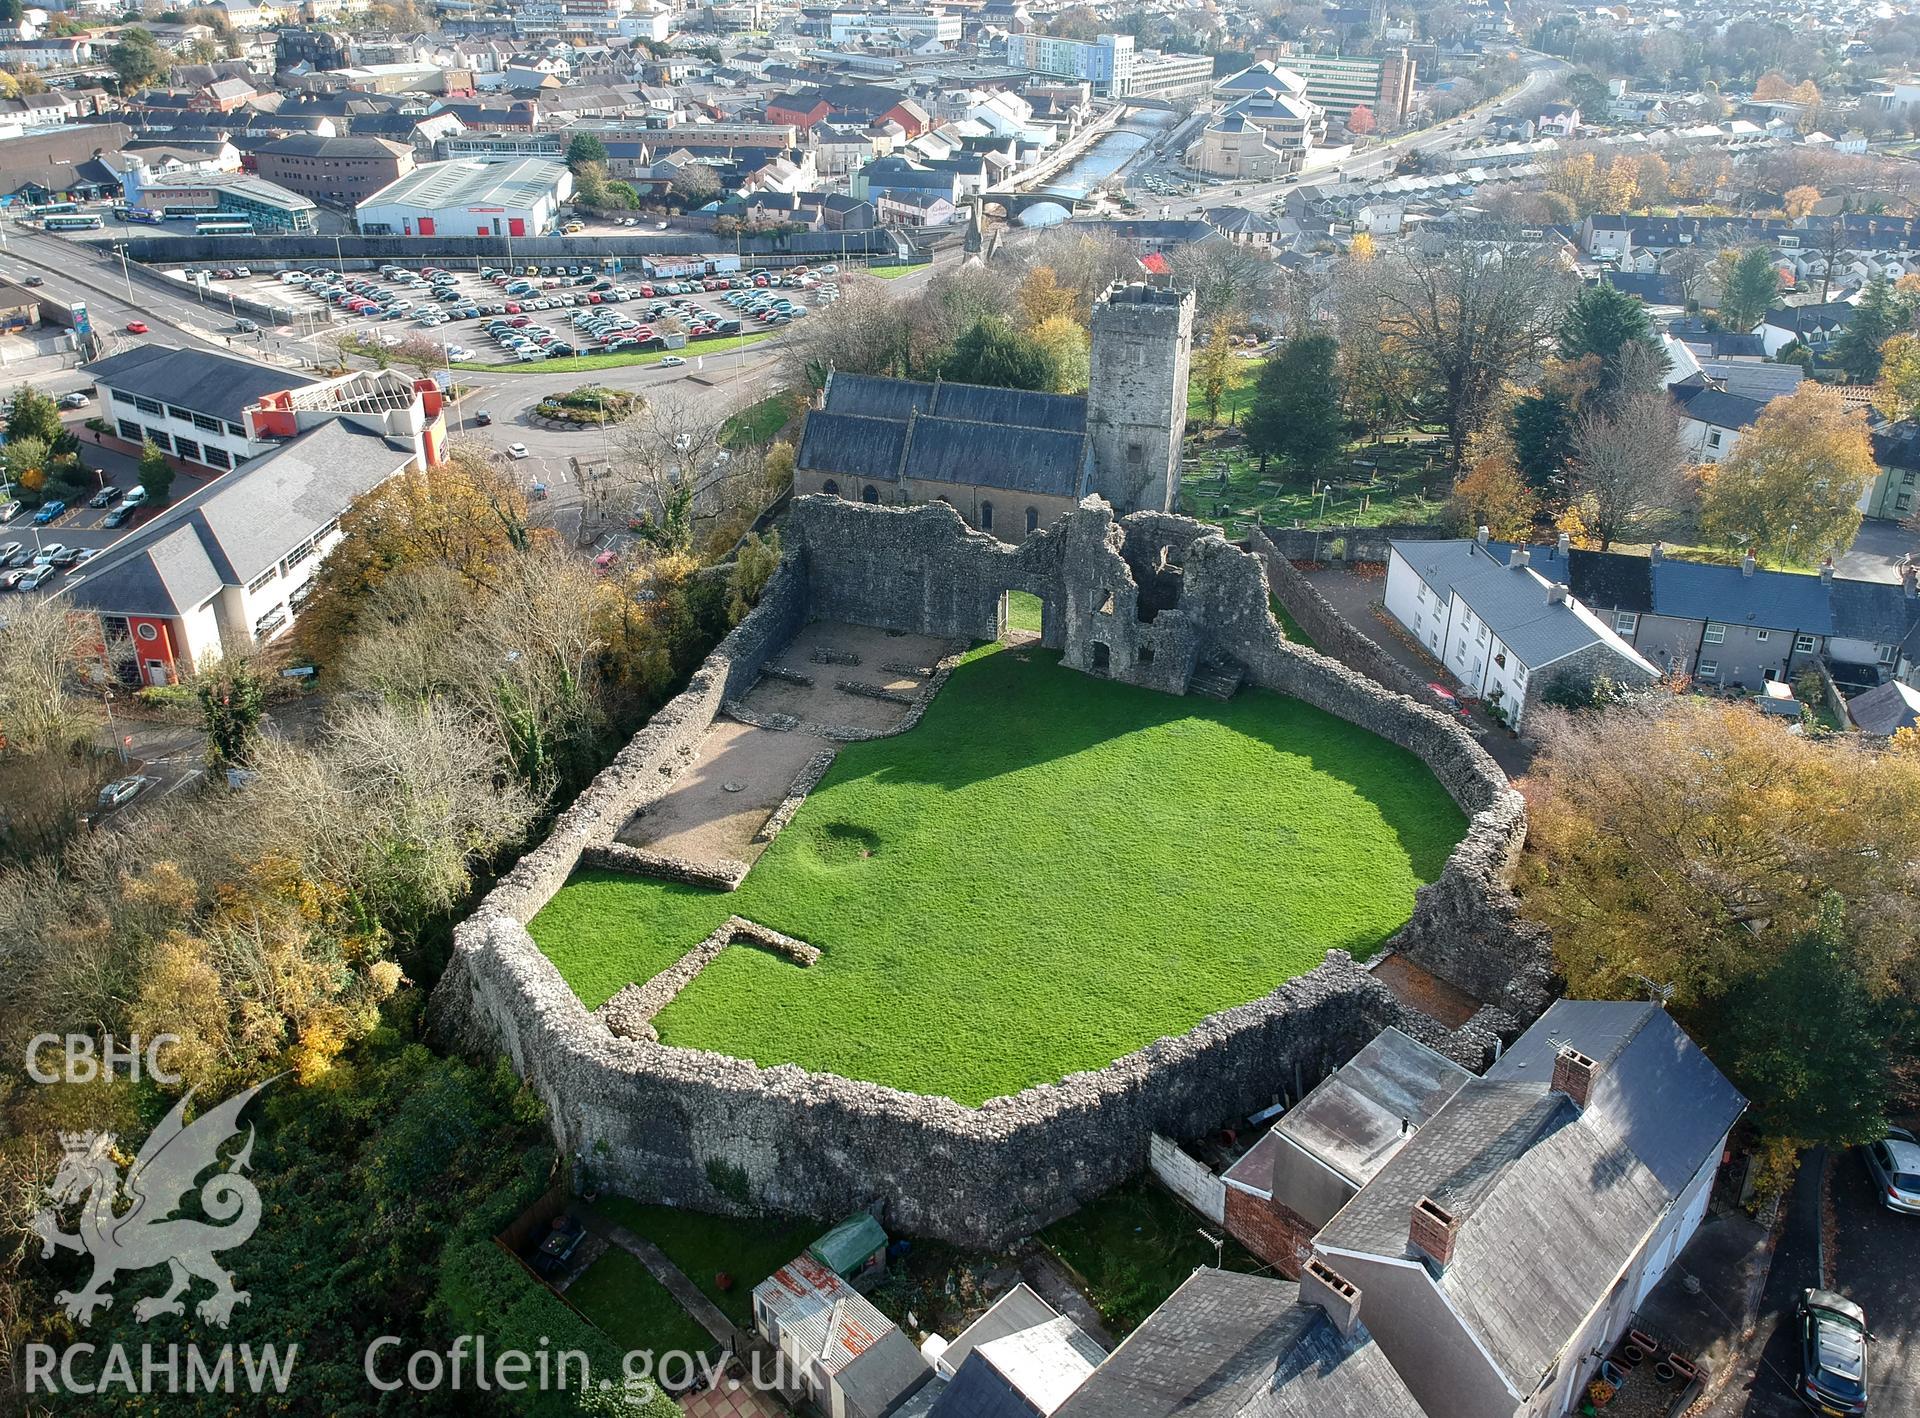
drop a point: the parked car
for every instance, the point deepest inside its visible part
(49, 512)
(672, 362)
(1833, 1354)
(1894, 1163)
(75, 400)
(120, 515)
(12, 554)
(35, 578)
(104, 497)
(135, 496)
(245, 326)
(122, 790)
(10, 509)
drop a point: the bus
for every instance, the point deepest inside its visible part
(144, 215)
(223, 226)
(52, 209)
(72, 223)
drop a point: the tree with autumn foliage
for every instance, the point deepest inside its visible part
(1213, 365)
(1360, 122)
(1694, 843)
(1791, 488)
(1799, 202)
(1494, 495)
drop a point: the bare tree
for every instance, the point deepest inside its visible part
(671, 479)
(1230, 280)
(866, 332)
(45, 648)
(1471, 311)
(1627, 463)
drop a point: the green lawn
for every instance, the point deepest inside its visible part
(1235, 402)
(758, 422)
(1288, 624)
(1049, 872)
(704, 1246)
(888, 273)
(1135, 1246)
(577, 364)
(621, 1297)
(1023, 611)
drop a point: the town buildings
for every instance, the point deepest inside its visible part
(470, 197)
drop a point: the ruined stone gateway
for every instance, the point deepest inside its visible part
(1151, 599)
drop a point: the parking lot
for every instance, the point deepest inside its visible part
(531, 312)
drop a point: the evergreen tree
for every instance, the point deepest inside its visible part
(993, 352)
(1748, 284)
(34, 415)
(1541, 430)
(1877, 318)
(584, 148)
(1297, 415)
(1607, 324)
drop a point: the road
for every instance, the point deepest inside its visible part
(1876, 1263)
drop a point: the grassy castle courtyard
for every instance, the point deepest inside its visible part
(1048, 872)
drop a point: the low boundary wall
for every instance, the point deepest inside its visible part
(689, 1127)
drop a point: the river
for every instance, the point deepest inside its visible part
(1109, 153)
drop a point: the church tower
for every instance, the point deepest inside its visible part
(1137, 394)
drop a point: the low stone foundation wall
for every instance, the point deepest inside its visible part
(804, 783)
(629, 1014)
(718, 873)
(875, 691)
(1349, 544)
(663, 1123)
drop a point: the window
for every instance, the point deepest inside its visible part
(870, 494)
(1483, 632)
(206, 423)
(1763, 636)
(1625, 622)
(1033, 520)
(263, 578)
(986, 516)
(130, 431)
(218, 457)
(237, 430)
(830, 488)
(147, 406)
(185, 415)
(1887, 653)
(187, 448)
(1136, 455)
(160, 439)
(1716, 634)
(1805, 644)
(1709, 669)
(1713, 438)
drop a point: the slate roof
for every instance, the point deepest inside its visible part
(202, 380)
(239, 525)
(1717, 407)
(882, 430)
(1891, 707)
(1019, 1358)
(1779, 600)
(1552, 1200)
(1878, 611)
(1226, 1345)
(1656, 1089)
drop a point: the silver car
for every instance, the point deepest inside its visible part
(1894, 1163)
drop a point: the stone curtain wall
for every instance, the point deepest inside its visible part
(1349, 543)
(693, 1128)
(1333, 634)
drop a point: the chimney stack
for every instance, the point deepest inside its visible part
(1655, 552)
(1565, 545)
(1573, 1075)
(1482, 535)
(1432, 1230)
(1910, 578)
(1557, 594)
(1826, 571)
(1746, 564)
(1322, 1285)
(1519, 556)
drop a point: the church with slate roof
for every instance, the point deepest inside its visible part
(1012, 461)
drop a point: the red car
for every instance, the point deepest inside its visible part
(136, 327)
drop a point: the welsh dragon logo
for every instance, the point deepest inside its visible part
(148, 1233)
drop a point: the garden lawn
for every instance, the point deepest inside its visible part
(625, 1303)
(1023, 611)
(1049, 872)
(1135, 1246)
(703, 1246)
(1234, 402)
(757, 423)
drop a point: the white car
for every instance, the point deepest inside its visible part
(517, 450)
(122, 790)
(1894, 1162)
(75, 400)
(672, 362)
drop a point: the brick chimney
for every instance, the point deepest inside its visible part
(1747, 564)
(1322, 1285)
(1573, 1075)
(1910, 580)
(1432, 1230)
(1826, 571)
